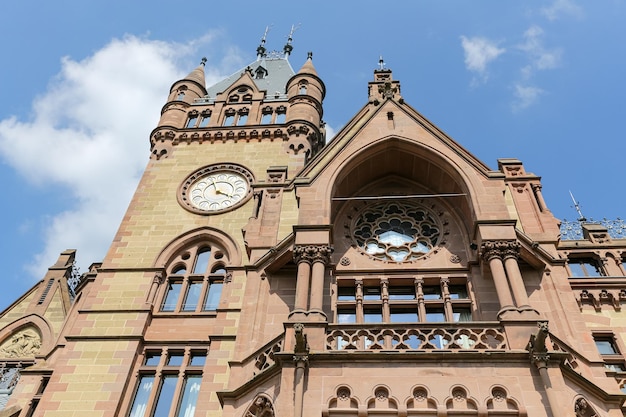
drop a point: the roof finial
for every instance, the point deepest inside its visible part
(288, 48)
(309, 55)
(581, 218)
(260, 51)
(381, 63)
(203, 61)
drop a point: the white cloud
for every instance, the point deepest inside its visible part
(525, 96)
(479, 52)
(540, 58)
(89, 134)
(562, 8)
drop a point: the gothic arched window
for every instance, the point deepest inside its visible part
(195, 279)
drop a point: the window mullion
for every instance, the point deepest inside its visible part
(384, 295)
(204, 293)
(156, 385)
(447, 304)
(359, 301)
(180, 383)
(419, 292)
(183, 294)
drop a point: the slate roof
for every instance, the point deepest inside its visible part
(278, 69)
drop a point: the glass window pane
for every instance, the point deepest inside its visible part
(205, 121)
(166, 395)
(190, 396)
(432, 292)
(457, 292)
(346, 293)
(606, 347)
(219, 270)
(192, 121)
(197, 359)
(462, 314)
(175, 359)
(435, 315)
(193, 296)
(229, 120)
(346, 315)
(242, 119)
(141, 396)
(585, 268)
(403, 315)
(280, 118)
(173, 291)
(202, 261)
(213, 296)
(152, 358)
(180, 96)
(179, 270)
(371, 293)
(372, 315)
(266, 118)
(401, 293)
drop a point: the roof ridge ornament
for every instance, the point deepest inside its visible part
(260, 51)
(288, 47)
(581, 218)
(381, 63)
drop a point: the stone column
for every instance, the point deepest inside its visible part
(384, 296)
(510, 255)
(320, 256)
(539, 196)
(303, 261)
(445, 294)
(359, 300)
(492, 253)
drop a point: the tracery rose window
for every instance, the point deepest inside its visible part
(396, 231)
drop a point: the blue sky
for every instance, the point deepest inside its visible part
(82, 84)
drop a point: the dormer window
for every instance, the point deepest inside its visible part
(260, 73)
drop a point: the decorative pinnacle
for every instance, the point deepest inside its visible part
(288, 48)
(581, 218)
(381, 63)
(260, 51)
(203, 61)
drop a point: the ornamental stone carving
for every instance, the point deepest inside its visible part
(312, 254)
(500, 249)
(25, 343)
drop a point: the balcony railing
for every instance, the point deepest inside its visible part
(573, 230)
(470, 336)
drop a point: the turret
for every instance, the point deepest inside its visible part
(306, 92)
(182, 94)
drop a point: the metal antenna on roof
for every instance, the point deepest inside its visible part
(288, 48)
(260, 51)
(581, 218)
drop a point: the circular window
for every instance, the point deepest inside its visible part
(397, 232)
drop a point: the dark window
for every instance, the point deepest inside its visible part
(585, 267)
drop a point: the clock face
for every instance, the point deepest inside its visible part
(218, 191)
(216, 188)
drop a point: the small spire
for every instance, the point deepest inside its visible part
(288, 47)
(581, 218)
(381, 63)
(203, 61)
(260, 51)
